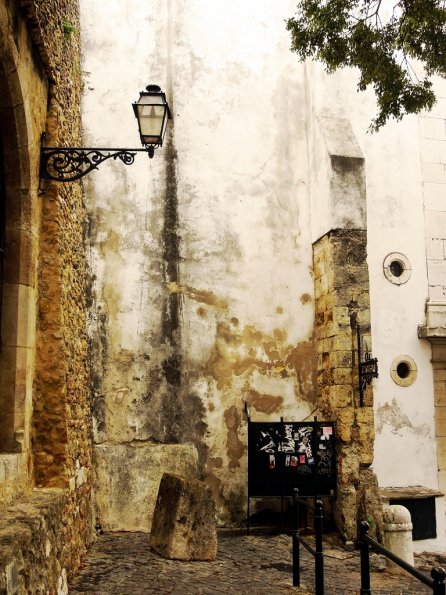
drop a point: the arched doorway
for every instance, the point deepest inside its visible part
(16, 284)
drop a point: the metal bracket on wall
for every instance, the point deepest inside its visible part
(67, 164)
(367, 368)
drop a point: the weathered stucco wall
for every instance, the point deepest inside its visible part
(195, 310)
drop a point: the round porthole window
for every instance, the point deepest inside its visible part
(397, 268)
(404, 370)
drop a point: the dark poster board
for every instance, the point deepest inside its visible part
(287, 455)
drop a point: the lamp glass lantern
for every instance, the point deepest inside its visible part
(152, 113)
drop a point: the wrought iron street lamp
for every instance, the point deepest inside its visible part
(66, 164)
(152, 113)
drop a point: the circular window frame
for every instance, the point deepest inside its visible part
(403, 262)
(410, 378)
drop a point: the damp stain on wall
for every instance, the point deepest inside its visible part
(302, 360)
(390, 414)
(263, 403)
(235, 447)
(199, 295)
(238, 351)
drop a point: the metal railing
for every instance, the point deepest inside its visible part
(316, 552)
(436, 583)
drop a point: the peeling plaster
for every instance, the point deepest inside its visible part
(240, 352)
(391, 415)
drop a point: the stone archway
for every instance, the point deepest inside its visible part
(17, 278)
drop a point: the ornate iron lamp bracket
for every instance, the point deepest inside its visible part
(367, 368)
(66, 164)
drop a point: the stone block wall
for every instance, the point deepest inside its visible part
(45, 464)
(342, 303)
(32, 544)
(62, 456)
(439, 371)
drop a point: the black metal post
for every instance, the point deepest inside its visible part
(248, 417)
(360, 383)
(365, 559)
(318, 518)
(438, 575)
(295, 534)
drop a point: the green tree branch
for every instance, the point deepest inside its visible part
(380, 41)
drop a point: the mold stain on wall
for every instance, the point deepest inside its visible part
(199, 295)
(171, 310)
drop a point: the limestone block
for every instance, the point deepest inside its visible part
(342, 376)
(32, 537)
(326, 345)
(184, 521)
(371, 501)
(17, 328)
(344, 423)
(341, 359)
(340, 395)
(345, 512)
(366, 436)
(341, 316)
(440, 393)
(435, 222)
(440, 421)
(358, 293)
(342, 342)
(128, 477)
(365, 418)
(441, 451)
(432, 128)
(348, 465)
(438, 355)
(436, 311)
(440, 373)
(442, 479)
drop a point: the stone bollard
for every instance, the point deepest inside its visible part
(398, 536)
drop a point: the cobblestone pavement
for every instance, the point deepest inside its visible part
(259, 564)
